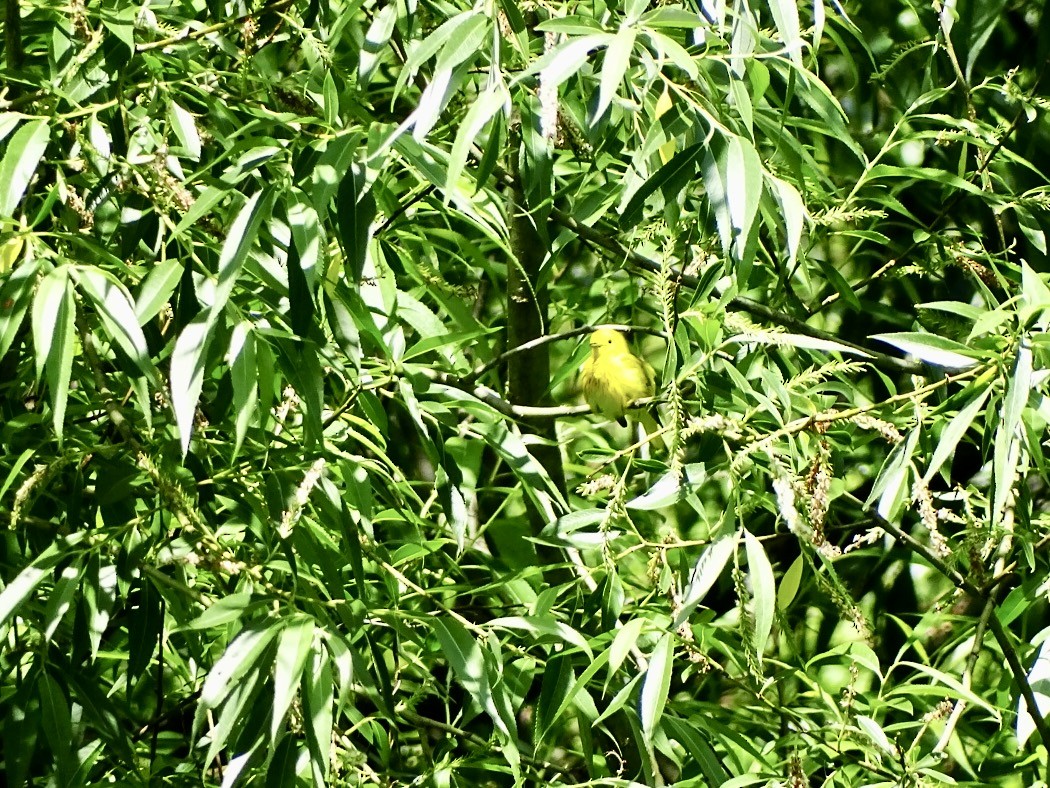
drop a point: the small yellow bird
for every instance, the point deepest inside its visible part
(613, 377)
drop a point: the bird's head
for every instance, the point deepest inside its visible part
(607, 340)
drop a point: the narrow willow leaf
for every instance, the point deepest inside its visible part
(877, 735)
(557, 678)
(493, 99)
(355, 210)
(891, 486)
(24, 152)
(114, 305)
(242, 655)
(16, 468)
(954, 432)
(545, 625)
(614, 66)
(573, 694)
(244, 375)
(60, 600)
(224, 611)
(56, 719)
(187, 374)
(785, 16)
(282, 769)
(706, 572)
(294, 646)
(25, 582)
(695, 741)
(238, 243)
(317, 692)
(465, 656)
(564, 60)
(16, 293)
(671, 16)
(931, 348)
(790, 582)
(185, 127)
(54, 316)
(156, 290)
(743, 181)
(763, 587)
(792, 211)
(625, 640)
(656, 684)
(308, 236)
(789, 339)
(670, 49)
(376, 42)
(949, 686)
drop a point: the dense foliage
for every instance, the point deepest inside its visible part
(296, 483)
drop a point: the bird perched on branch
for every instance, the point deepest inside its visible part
(613, 377)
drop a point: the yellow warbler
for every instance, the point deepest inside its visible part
(613, 377)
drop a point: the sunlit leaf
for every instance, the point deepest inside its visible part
(24, 151)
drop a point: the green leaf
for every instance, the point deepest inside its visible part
(733, 176)
(187, 374)
(117, 311)
(614, 66)
(954, 432)
(355, 210)
(625, 640)
(570, 25)
(877, 735)
(557, 678)
(57, 724)
(16, 293)
(239, 241)
(156, 290)
(317, 693)
(224, 611)
(244, 374)
(672, 16)
(792, 211)
(294, 646)
(785, 16)
(705, 574)
(145, 626)
(60, 601)
(376, 43)
(465, 657)
(20, 161)
(656, 684)
(54, 316)
(763, 587)
(891, 486)
(185, 127)
(539, 626)
(697, 745)
(790, 582)
(564, 60)
(282, 770)
(494, 98)
(932, 349)
(244, 654)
